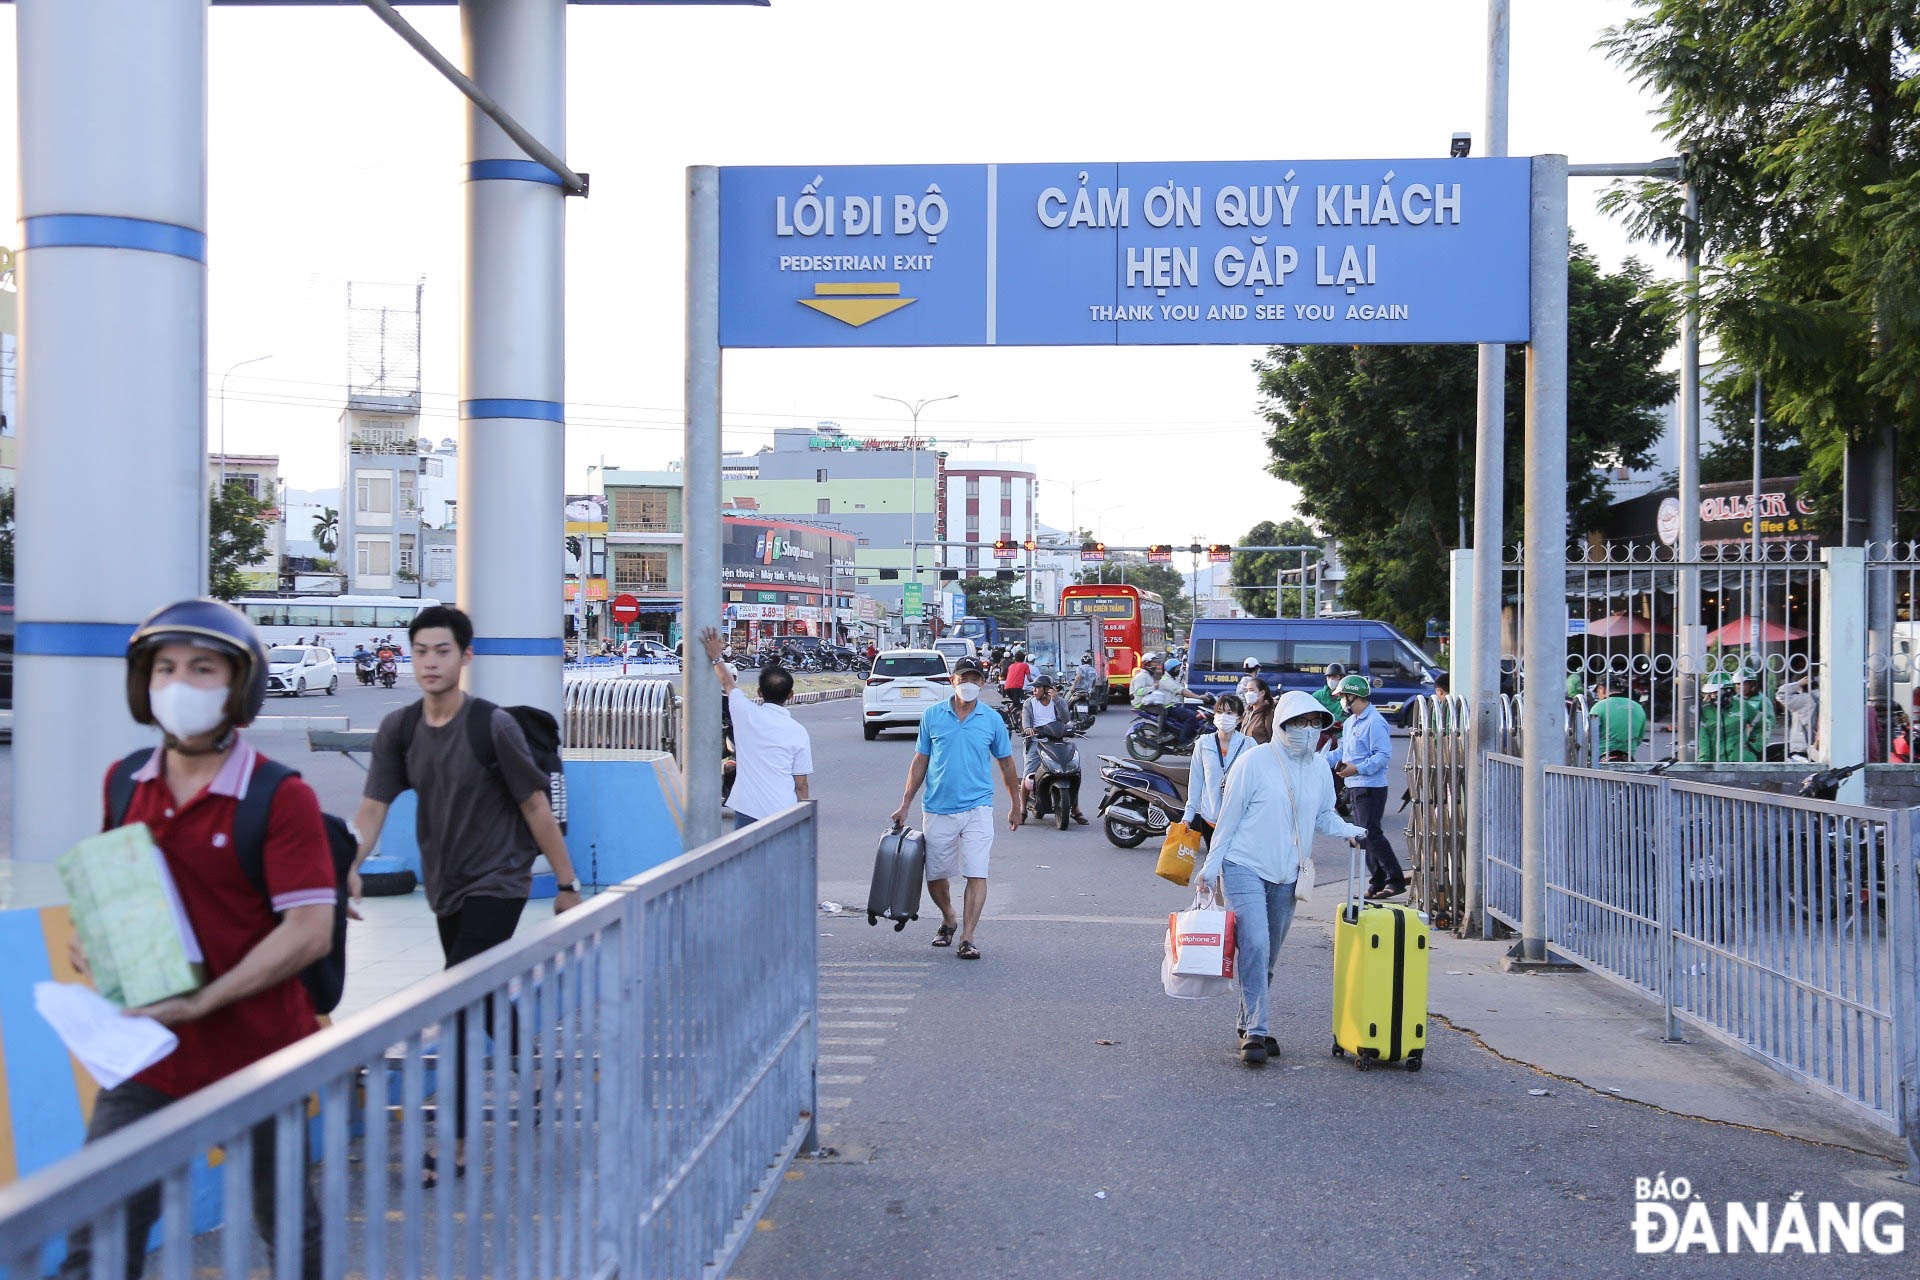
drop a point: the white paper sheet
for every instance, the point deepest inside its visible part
(109, 1044)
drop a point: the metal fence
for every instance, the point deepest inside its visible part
(620, 714)
(635, 1075)
(1891, 693)
(1787, 927)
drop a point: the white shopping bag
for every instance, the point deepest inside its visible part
(1201, 938)
(1182, 986)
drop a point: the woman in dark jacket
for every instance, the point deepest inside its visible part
(1258, 721)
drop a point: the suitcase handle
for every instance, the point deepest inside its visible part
(1351, 911)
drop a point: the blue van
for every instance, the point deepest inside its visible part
(1294, 653)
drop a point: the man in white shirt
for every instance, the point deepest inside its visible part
(773, 755)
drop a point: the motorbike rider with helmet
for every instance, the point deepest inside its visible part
(1153, 688)
(1042, 708)
(197, 670)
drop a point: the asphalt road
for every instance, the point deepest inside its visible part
(1048, 1112)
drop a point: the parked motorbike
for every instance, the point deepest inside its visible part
(1148, 739)
(363, 665)
(1057, 777)
(389, 672)
(1142, 799)
(1843, 877)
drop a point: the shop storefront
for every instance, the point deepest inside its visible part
(779, 579)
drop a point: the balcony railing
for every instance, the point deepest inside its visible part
(644, 526)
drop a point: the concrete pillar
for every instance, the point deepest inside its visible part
(1843, 665)
(1461, 621)
(1545, 640)
(113, 384)
(512, 357)
(702, 743)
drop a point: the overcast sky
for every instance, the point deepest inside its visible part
(336, 155)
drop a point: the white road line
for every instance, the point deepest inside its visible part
(834, 1104)
(864, 993)
(846, 1059)
(864, 1041)
(855, 1026)
(876, 964)
(862, 1009)
(839, 1079)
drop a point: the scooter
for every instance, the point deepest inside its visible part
(1141, 799)
(363, 667)
(1149, 739)
(389, 671)
(1056, 781)
(1846, 876)
(1080, 713)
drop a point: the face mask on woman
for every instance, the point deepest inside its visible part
(1300, 738)
(185, 711)
(1226, 722)
(1250, 692)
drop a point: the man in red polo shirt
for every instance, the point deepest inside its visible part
(198, 670)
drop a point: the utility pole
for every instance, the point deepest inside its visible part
(913, 456)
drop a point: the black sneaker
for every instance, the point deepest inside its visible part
(1253, 1050)
(1273, 1047)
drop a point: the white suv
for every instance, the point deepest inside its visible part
(297, 669)
(903, 684)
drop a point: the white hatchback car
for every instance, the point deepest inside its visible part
(296, 669)
(903, 684)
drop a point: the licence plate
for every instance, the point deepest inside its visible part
(910, 693)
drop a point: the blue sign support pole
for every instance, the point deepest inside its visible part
(113, 382)
(1545, 653)
(700, 579)
(512, 361)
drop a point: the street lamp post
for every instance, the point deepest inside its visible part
(913, 455)
(223, 414)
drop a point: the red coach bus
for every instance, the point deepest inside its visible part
(1135, 622)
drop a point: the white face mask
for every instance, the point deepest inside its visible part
(967, 690)
(1226, 722)
(1300, 738)
(187, 712)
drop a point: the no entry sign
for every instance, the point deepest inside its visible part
(624, 610)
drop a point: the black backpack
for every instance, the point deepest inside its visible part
(541, 730)
(325, 978)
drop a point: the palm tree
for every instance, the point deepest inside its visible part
(326, 530)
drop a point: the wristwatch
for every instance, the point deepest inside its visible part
(567, 888)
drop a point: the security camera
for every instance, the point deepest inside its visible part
(1462, 144)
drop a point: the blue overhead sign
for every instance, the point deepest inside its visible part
(1311, 251)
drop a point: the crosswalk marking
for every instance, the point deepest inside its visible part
(876, 964)
(859, 1040)
(862, 1009)
(846, 1059)
(855, 1026)
(840, 1079)
(851, 996)
(834, 1104)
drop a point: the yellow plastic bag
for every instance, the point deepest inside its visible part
(1179, 853)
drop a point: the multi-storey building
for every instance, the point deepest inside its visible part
(258, 476)
(399, 501)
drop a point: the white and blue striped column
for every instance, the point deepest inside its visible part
(512, 379)
(112, 491)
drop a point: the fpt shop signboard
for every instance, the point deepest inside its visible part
(1308, 251)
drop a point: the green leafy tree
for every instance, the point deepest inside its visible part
(991, 597)
(1783, 451)
(1256, 574)
(326, 531)
(1379, 439)
(237, 537)
(1800, 120)
(1133, 569)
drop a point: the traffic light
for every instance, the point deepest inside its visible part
(1219, 552)
(1031, 544)
(1160, 553)
(1005, 549)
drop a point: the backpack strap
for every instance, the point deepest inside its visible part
(120, 785)
(480, 733)
(250, 820)
(410, 717)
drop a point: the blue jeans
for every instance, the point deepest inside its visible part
(1262, 914)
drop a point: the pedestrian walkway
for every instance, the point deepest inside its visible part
(1049, 1112)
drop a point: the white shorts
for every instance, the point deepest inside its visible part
(958, 844)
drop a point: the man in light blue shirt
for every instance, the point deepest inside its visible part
(1362, 758)
(959, 740)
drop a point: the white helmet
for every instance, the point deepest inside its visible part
(1250, 664)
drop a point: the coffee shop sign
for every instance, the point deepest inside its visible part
(870, 443)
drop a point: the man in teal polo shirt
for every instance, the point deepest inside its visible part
(958, 743)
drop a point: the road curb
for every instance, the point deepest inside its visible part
(822, 695)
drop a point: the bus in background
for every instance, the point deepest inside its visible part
(333, 622)
(1294, 653)
(1134, 623)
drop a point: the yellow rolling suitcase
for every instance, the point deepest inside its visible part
(1380, 953)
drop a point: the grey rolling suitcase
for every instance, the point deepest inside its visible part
(899, 869)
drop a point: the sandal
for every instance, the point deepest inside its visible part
(968, 951)
(943, 936)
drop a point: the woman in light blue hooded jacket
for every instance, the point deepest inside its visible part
(1277, 796)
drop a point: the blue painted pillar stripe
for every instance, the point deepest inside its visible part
(44, 1107)
(519, 646)
(512, 171)
(73, 639)
(540, 410)
(103, 231)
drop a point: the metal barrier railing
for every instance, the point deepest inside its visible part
(1787, 927)
(633, 1080)
(1437, 824)
(620, 714)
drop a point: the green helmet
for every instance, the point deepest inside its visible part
(1355, 686)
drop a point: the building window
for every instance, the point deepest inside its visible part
(641, 511)
(823, 506)
(973, 488)
(373, 557)
(440, 564)
(373, 494)
(820, 475)
(409, 498)
(639, 571)
(406, 555)
(246, 482)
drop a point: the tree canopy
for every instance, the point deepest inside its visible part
(236, 538)
(1379, 439)
(992, 597)
(1799, 119)
(1256, 574)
